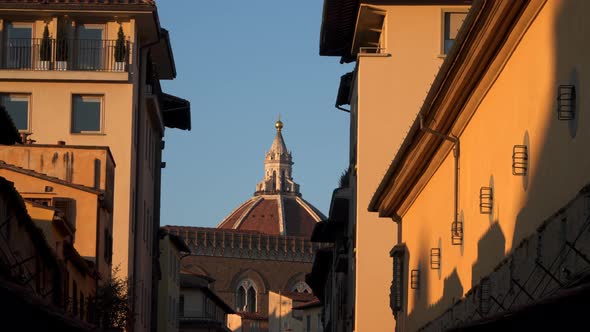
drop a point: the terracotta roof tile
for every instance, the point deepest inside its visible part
(262, 214)
(10, 167)
(299, 221)
(298, 297)
(251, 315)
(235, 215)
(263, 218)
(313, 303)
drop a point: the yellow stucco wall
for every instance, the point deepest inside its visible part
(390, 91)
(519, 108)
(86, 213)
(50, 118)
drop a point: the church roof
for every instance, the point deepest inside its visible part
(276, 207)
(278, 145)
(274, 215)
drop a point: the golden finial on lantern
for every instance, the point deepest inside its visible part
(279, 124)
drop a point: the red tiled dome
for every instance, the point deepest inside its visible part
(274, 215)
(277, 207)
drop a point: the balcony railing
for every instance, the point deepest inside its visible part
(65, 54)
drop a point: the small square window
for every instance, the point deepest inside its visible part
(86, 114)
(17, 106)
(452, 22)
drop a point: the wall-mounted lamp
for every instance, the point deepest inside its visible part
(457, 233)
(435, 258)
(486, 200)
(566, 102)
(415, 279)
(520, 160)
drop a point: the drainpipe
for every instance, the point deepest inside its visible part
(455, 141)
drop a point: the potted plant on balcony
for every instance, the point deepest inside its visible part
(61, 55)
(120, 50)
(45, 50)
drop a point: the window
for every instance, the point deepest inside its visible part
(82, 312)
(75, 298)
(18, 45)
(301, 287)
(90, 46)
(319, 323)
(181, 306)
(308, 323)
(452, 21)
(108, 246)
(86, 114)
(17, 106)
(246, 296)
(397, 285)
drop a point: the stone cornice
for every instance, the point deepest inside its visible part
(250, 245)
(490, 34)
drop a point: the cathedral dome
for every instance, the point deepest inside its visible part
(276, 207)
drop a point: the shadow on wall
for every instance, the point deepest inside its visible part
(562, 163)
(452, 292)
(558, 167)
(490, 251)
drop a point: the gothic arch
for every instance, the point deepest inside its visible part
(294, 281)
(259, 281)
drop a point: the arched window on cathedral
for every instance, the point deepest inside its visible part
(301, 287)
(246, 296)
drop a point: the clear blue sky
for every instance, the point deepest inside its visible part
(241, 63)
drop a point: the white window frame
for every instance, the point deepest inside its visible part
(101, 117)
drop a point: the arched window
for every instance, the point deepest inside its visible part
(246, 294)
(301, 287)
(241, 298)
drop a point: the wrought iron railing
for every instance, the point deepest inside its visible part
(66, 54)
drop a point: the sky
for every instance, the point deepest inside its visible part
(241, 64)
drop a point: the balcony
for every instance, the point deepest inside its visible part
(48, 58)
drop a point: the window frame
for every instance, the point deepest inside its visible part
(101, 117)
(6, 38)
(444, 11)
(29, 102)
(79, 49)
(399, 290)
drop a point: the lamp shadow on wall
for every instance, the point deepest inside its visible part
(561, 159)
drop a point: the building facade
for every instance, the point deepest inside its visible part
(398, 47)
(76, 180)
(261, 246)
(281, 313)
(200, 309)
(489, 190)
(172, 249)
(88, 73)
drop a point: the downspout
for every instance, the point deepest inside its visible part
(456, 150)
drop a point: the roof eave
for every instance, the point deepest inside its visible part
(393, 190)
